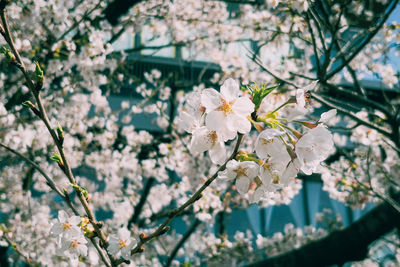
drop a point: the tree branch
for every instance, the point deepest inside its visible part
(351, 115)
(350, 244)
(43, 116)
(181, 242)
(363, 43)
(49, 181)
(142, 201)
(196, 196)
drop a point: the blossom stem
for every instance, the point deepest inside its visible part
(289, 101)
(293, 131)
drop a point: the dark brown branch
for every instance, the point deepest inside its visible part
(364, 42)
(181, 242)
(350, 244)
(49, 181)
(354, 117)
(314, 44)
(161, 215)
(142, 201)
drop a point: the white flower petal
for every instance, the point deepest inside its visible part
(251, 168)
(74, 220)
(210, 99)
(226, 134)
(268, 145)
(242, 184)
(313, 147)
(56, 229)
(243, 106)
(187, 122)
(290, 172)
(265, 175)
(62, 216)
(230, 89)
(82, 250)
(124, 233)
(256, 196)
(218, 153)
(215, 120)
(232, 165)
(326, 116)
(201, 140)
(238, 124)
(300, 100)
(113, 249)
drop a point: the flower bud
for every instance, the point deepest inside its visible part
(7, 53)
(57, 158)
(142, 236)
(39, 77)
(60, 133)
(30, 105)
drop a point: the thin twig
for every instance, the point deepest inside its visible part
(258, 62)
(142, 201)
(49, 181)
(43, 116)
(351, 115)
(16, 248)
(314, 44)
(182, 241)
(76, 24)
(363, 43)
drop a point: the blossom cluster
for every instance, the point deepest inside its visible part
(213, 118)
(70, 237)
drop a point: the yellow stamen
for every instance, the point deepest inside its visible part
(266, 142)
(74, 244)
(226, 107)
(67, 225)
(213, 137)
(122, 244)
(241, 171)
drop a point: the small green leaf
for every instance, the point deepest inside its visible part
(5, 51)
(39, 76)
(57, 158)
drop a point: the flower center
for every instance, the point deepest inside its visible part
(241, 171)
(276, 179)
(67, 225)
(266, 165)
(202, 109)
(266, 142)
(213, 137)
(122, 244)
(226, 107)
(74, 243)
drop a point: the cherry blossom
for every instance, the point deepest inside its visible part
(314, 147)
(227, 111)
(244, 172)
(66, 226)
(203, 139)
(122, 243)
